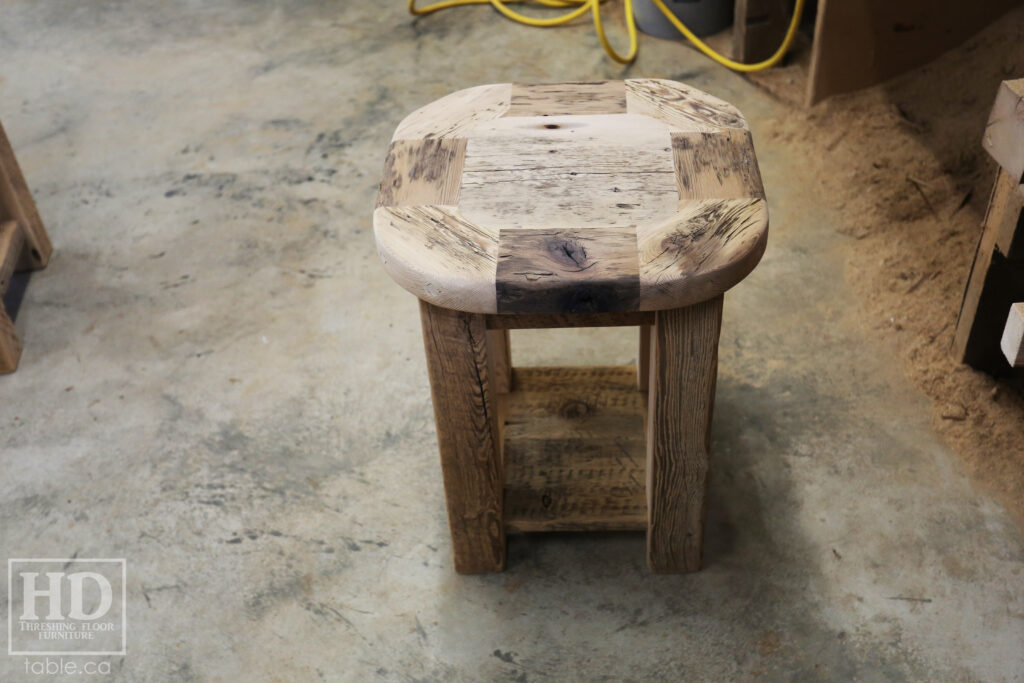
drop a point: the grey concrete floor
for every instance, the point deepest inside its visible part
(221, 385)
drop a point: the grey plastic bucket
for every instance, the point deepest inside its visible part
(703, 17)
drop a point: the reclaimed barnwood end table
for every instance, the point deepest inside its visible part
(511, 206)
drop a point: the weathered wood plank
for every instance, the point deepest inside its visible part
(716, 165)
(567, 271)
(467, 436)
(436, 254)
(581, 171)
(706, 248)
(683, 108)
(449, 116)
(422, 172)
(556, 99)
(1012, 342)
(681, 397)
(540, 321)
(574, 450)
(17, 204)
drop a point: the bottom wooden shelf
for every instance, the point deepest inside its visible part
(574, 450)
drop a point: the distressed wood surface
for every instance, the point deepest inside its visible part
(465, 413)
(433, 251)
(1004, 133)
(449, 116)
(574, 450)
(422, 172)
(569, 171)
(680, 398)
(589, 270)
(557, 99)
(17, 204)
(1012, 342)
(571, 198)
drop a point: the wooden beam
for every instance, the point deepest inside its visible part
(16, 204)
(680, 400)
(1012, 343)
(467, 436)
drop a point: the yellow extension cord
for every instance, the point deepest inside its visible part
(584, 6)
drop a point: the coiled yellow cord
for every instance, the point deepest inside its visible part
(584, 6)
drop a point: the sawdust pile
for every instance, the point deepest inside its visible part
(905, 167)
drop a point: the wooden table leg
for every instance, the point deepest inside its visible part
(11, 249)
(467, 436)
(16, 204)
(643, 359)
(680, 400)
(499, 355)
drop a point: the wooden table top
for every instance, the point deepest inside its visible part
(571, 198)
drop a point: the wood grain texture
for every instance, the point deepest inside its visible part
(716, 165)
(707, 248)
(680, 400)
(643, 359)
(574, 450)
(682, 107)
(418, 172)
(759, 29)
(16, 203)
(540, 321)
(568, 172)
(858, 44)
(499, 355)
(10, 344)
(435, 253)
(545, 205)
(567, 271)
(557, 99)
(1012, 342)
(467, 436)
(1004, 133)
(450, 115)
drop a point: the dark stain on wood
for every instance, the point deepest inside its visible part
(427, 171)
(567, 271)
(716, 165)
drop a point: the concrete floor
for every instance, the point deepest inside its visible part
(221, 384)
